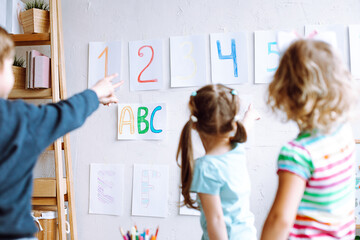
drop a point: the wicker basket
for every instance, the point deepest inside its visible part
(35, 21)
(46, 217)
(19, 75)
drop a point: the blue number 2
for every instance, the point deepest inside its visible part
(270, 51)
(231, 56)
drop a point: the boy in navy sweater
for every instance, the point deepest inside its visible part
(27, 130)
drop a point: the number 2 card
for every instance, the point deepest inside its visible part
(146, 65)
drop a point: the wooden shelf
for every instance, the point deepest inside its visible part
(30, 93)
(357, 141)
(31, 39)
(52, 147)
(46, 201)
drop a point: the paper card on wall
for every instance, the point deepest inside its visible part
(341, 33)
(267, 56)
(354, 39)
(229, 58)
(142, 121)
(104, 60)
(146, 65)
(10, 15)
(106, 188)
(188, 61)
(3, 13)
(188, 211)
(150, 190)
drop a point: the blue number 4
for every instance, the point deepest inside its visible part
(270, 51)
(231, 56)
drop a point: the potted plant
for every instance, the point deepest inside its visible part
(19, 72)
(36, 17)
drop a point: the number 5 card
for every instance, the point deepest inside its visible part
(146, 65)
(104, 60)
(266, 56)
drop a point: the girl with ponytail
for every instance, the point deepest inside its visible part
(219, 178)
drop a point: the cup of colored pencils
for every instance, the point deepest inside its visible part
(134, 234)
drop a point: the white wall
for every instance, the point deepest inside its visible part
(95, 142)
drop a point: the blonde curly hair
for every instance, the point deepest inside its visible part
(312, 86)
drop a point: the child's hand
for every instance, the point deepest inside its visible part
(250, 117)
(104, 89)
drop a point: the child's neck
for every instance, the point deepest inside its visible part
(216, 145)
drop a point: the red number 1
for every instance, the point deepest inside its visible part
(152, 57)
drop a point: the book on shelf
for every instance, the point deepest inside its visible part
(41, 72)
(37, 70)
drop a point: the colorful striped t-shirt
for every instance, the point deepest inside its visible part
(326, 163)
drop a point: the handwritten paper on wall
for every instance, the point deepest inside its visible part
(229, 58)
(146, 65)
(188, 61)
(266, 56)
(106, 188)
(354, 38)
(142, 121)
(150, 190)
(341, 33)
(104, 60)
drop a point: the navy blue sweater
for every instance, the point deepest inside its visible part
(27, 130)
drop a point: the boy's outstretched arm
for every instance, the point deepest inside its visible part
(283, 212)
(51, 121)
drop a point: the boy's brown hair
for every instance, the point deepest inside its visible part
(7, 50)
(312, 86)
(213, 112)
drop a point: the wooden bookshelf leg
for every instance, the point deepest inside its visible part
(71, 193)
(60, 189)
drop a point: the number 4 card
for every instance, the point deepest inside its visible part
(266, 56)
(229, 58)
(104, 60)
(146, 65)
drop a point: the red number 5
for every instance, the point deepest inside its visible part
(152, 57)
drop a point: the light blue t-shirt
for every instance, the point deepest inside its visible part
(226, 175)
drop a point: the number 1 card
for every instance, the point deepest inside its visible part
(104, 60)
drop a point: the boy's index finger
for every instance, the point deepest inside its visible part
(112, 76)
(116, 85)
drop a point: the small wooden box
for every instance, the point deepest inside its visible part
(19, 75)
(35, 21)
(46, 187)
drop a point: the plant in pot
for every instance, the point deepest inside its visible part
(36, 17)
(19, 72)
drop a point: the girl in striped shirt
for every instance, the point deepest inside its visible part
(315, 197)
